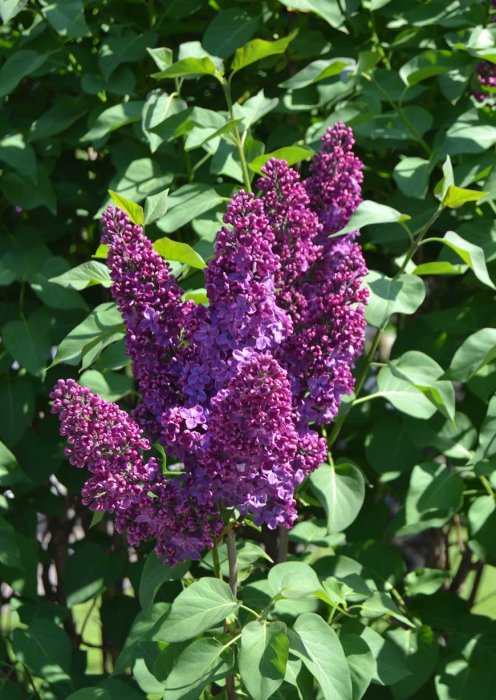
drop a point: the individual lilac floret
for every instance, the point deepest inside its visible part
(149, 299)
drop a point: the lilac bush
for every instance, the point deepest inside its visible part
(234, 391)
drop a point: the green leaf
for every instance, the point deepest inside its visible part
(10, 471)
(482, 528)
(424, 581)
(404, 294)
(263, 657)
(447, 181)
(412, 384)
(429, 64)
(487, 435)
(389, 448)
(470, 133)
(187, 67)
(141, 178)
(88, 572)
(111, 386)
(439, 268)
(257, 49)
(434, 496)
(317, 71)
(18, 66)
(390, 663)
(45, 649)
(203, 662)
(187, 203)
(85, 275)
(341, 490)
(162, 57)
(379, 605)
(9, 549)
(144, 628)
(228, 31)
(421, 652)
(123, 45)
(133, 210)
(97, 517)
(101, 252)
(200, 136)
(361, 663)
(199, 607)
(19, 155)
(155, 207)
(475, 353)
(291, 154)
(90, 693)
(10, 8)
(328, 10)
(369, 213)
(457, 196)
(114, 118)
(318, 646)
(28, 341)
(155, 573)
(65, 112)
(471, 254)
(293, 579)
(180, 252)
(254, 109)
(28, 194)
(67, 18)
(412, 176)
(17, 406)
(102, 327)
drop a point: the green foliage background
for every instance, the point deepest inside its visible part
(401, 533)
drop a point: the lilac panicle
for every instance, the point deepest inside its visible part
(106, 441)
(334, 185)
(109, 443)
(233, 391)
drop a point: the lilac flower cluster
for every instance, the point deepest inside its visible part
(486, 74)
(234, 391)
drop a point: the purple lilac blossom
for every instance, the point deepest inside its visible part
(234, 390)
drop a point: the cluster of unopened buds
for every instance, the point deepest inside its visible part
(235, 391)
